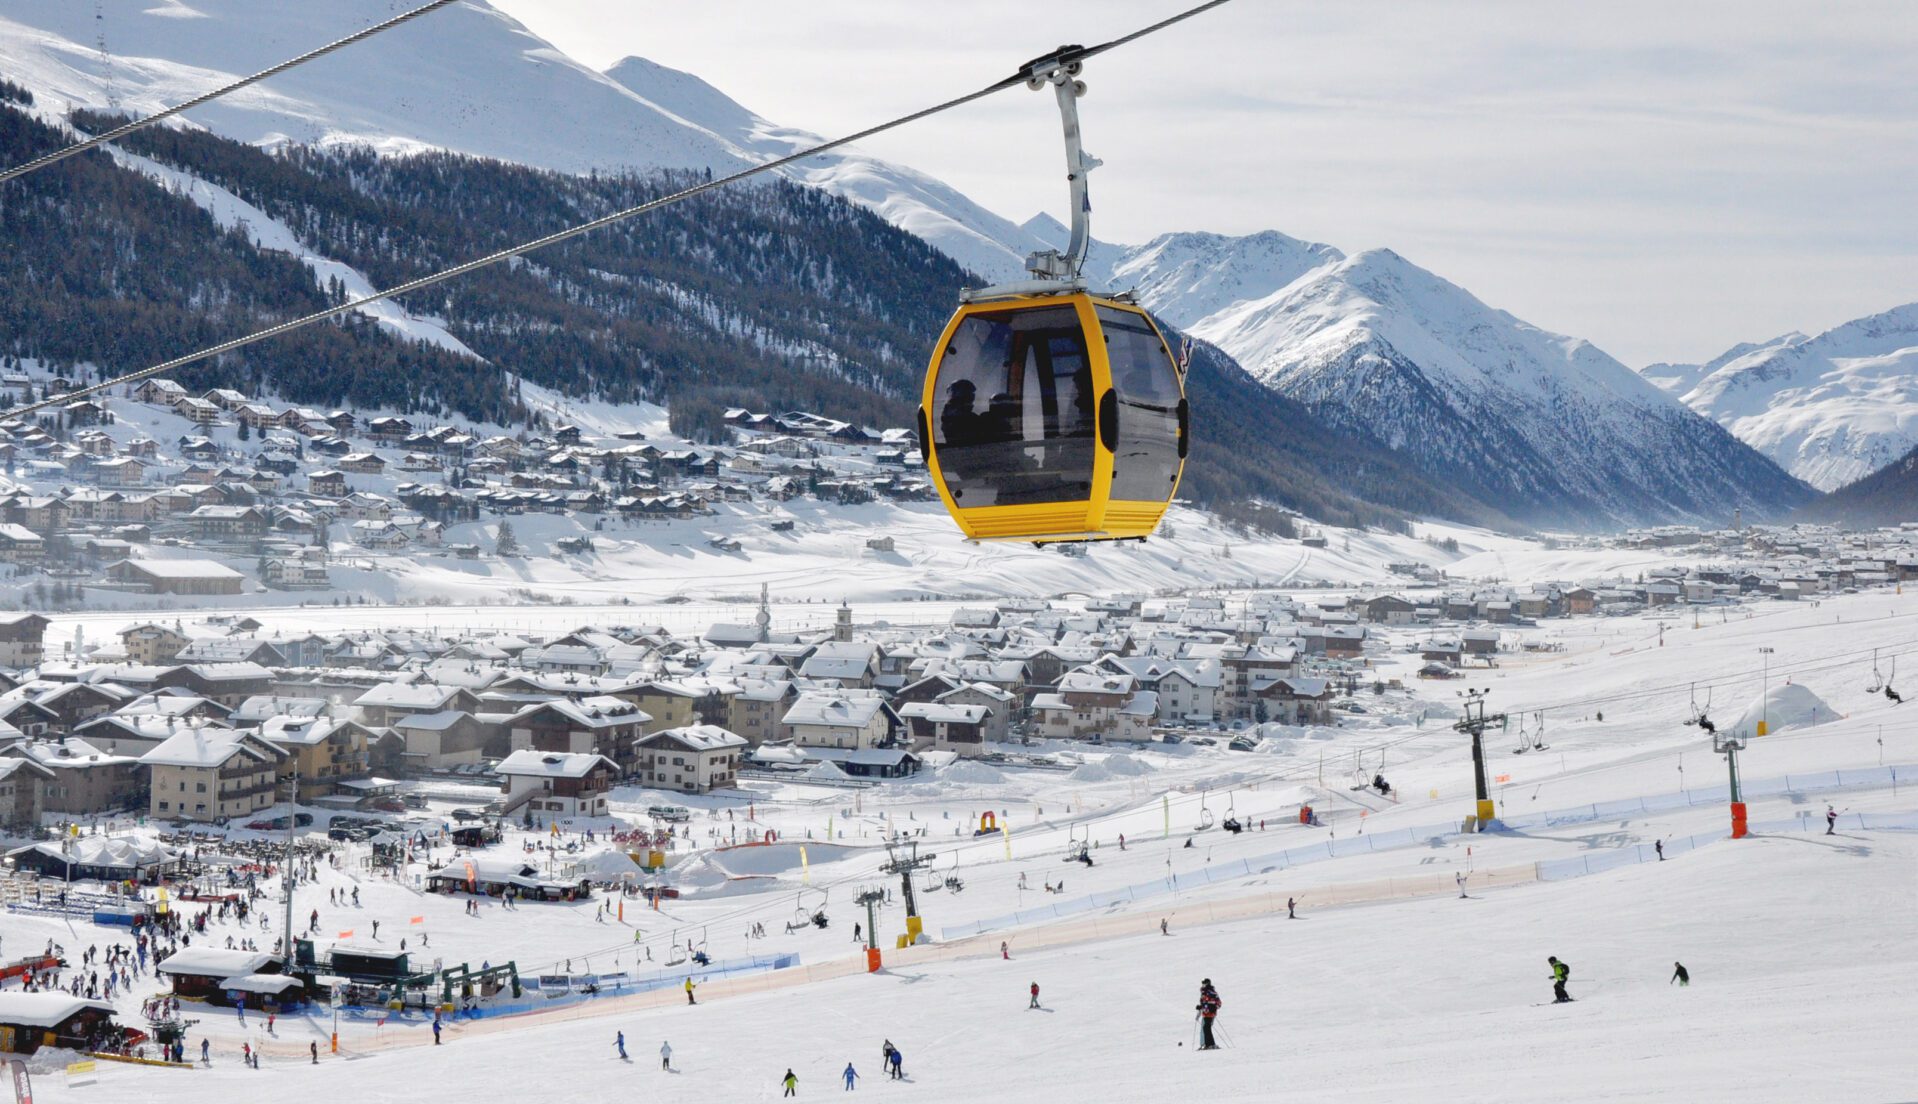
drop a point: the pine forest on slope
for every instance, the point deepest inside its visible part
(773, 296)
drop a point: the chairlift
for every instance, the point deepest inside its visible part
(1877, 679)
(1524, 738)
(1700, 715)
(1538, 731)
(678, 955)
(699, 953)
(1232, 823)
(1893, 696)
(1205, 814)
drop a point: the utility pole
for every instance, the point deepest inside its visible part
(286, 867)
(1764, 695)
(904, 865)
(1473, 724)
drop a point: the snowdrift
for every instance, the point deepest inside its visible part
(1784, 707)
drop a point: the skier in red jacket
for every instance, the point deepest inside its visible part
(1208, 1009)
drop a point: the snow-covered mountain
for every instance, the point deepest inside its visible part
(1830, 409)
(1680, 378)
(466, 78)
(1189, 276)
(1540, 426)
(1548, 426)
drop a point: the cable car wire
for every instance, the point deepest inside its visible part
(122, 131)
(1018, 79)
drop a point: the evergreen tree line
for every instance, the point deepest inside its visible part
(771, 296)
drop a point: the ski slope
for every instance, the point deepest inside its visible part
(1388, 986)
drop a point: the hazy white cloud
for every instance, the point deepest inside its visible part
(1665, 179)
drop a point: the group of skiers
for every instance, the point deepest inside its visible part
(1562, 973)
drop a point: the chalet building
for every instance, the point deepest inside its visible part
(21, 545)
(756, 709)
(554, 785)
(691, 759)
(82, 779)
(152, 644)
(199, 577)
(601, 725)
(955, 728)
(831, 719)
(323, 752)
(23, 794)
(207, 773)
(1093, 704)
(22, 637)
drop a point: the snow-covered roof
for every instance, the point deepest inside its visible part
(551, 764)
(940, 713)
(208, 747)
(834, 710)
(696, 737)
(44, 1009)
(218, 962)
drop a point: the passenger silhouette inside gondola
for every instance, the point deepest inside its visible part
(959, 423)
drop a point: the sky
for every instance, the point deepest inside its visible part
(1663, 179)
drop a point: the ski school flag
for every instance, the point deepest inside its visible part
(417, 920)
(347, 934)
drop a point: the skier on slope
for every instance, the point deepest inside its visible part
(1035, 996)
(1208, 1009)
(666, 1056)
(689, 992)
(850, 1075)
(1831, 820)
(1561, 973)
(1680, 975)
(791, 1081)
(898, 1065)
(619, 1040)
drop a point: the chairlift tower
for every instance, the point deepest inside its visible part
(903, 865)
(1474, 724)
(1729, 743)
(871, 898)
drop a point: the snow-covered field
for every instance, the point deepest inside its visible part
(1388, 986)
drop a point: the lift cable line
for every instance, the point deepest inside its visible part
(1026, 73)
(122, 131)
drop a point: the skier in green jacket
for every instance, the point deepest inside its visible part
(1561, 973)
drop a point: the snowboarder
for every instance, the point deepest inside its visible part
(1659, 846)
(1208, 1009)
(1831, 820)
(791, 1082)
(666, 1056)
(619, 1042)
(689, 992)
(1561, 973)
(1035, 996)
(1680, 975)
(850, 1075)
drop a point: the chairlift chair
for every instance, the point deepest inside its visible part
(678, 955)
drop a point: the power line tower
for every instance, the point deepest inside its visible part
(903, 864)
(106, 59)
(1474, 724)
